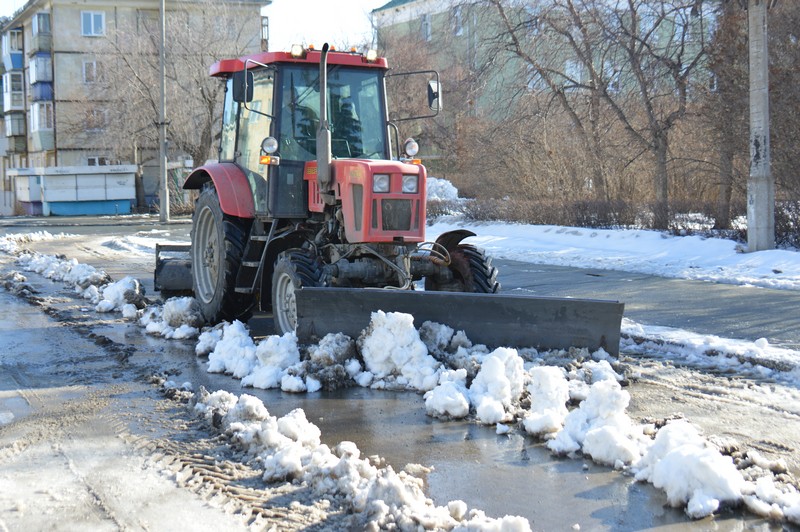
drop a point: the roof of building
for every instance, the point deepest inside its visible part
(391, 4)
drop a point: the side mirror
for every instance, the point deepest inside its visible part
(434, 96)
(243, 86)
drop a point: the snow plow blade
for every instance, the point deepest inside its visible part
(496, 320)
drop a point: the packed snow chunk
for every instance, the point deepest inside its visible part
(449, 399)
(332, 349)
(600, 427)
(391, 347)
(248, 408)
(497, 386)
(182, 311)
(292, 383)
(116, 295)
(313, 385)
(479, 522)
(129, 311)
(235, 353)
(279, 351)
(6, 418)
(690, 471)
(219, 402)
(596, 371)
(436, 336)
(208, 340)
(549, 393)
(274, 355)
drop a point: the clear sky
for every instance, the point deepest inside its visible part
(339, 22)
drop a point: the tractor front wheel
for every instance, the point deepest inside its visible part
(472, 272)
(218, 242)
(294, 269)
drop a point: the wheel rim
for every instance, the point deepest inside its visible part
(206, 250)
(285, 311)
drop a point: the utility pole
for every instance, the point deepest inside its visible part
(162, 126)
(760, 183)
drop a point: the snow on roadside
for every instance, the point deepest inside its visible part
(650, 252)
(9, 243)
(289, 449)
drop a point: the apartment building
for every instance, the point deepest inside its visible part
(52, 61)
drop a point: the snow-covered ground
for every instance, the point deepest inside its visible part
(579, 410)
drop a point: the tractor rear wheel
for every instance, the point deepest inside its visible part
(294, 269)
(472, 272)
(218, 242)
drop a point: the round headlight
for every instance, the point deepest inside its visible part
(410, 184)
(269, 145)
(380, 183)
(411, 147)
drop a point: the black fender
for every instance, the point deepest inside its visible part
(451, 239)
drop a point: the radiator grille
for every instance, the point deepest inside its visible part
(396, 215)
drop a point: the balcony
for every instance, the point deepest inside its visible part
(42, 42)
(42, 140)
(42, 91)
(17, 144)
(13, 60)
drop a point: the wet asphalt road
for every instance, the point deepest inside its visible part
(509, 474)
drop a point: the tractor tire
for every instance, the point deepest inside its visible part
(472, 272)
(218, 242)
(294, 269)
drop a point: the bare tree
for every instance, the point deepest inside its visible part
(632, 60)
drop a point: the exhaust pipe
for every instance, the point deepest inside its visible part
(324, 130)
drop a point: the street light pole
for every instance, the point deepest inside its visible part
(162, 126)
(760, 184)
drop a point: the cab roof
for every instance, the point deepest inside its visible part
(226, 67)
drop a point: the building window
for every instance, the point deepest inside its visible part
(15, 124)
(12, 41)
(90, 71)
(41, 24)
(93, 23)
(41, 116)
(458, 21)
(97, 160)
(95, 119)
(13, 95)
(41, 68)
(427, 35)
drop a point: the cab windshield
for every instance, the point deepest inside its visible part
(355, 113)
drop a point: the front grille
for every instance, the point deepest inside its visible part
(396, 215)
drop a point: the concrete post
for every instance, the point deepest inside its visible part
(760, 184)
(162, 126)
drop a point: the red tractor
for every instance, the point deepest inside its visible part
(315, 211)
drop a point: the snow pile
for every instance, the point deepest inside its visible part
(441, 190)
(600, 428)
(549, 393)
(116, 295)
(395, 355)
(690, 471)
(272, 363)
(84, 278)
(450, 398)
(179, 318)
(497, 386)
(289, 448)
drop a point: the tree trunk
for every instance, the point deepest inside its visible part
(725, 189)
(660, 183)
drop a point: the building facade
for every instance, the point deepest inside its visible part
(54, 111)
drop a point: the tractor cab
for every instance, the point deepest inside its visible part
(276, 96)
